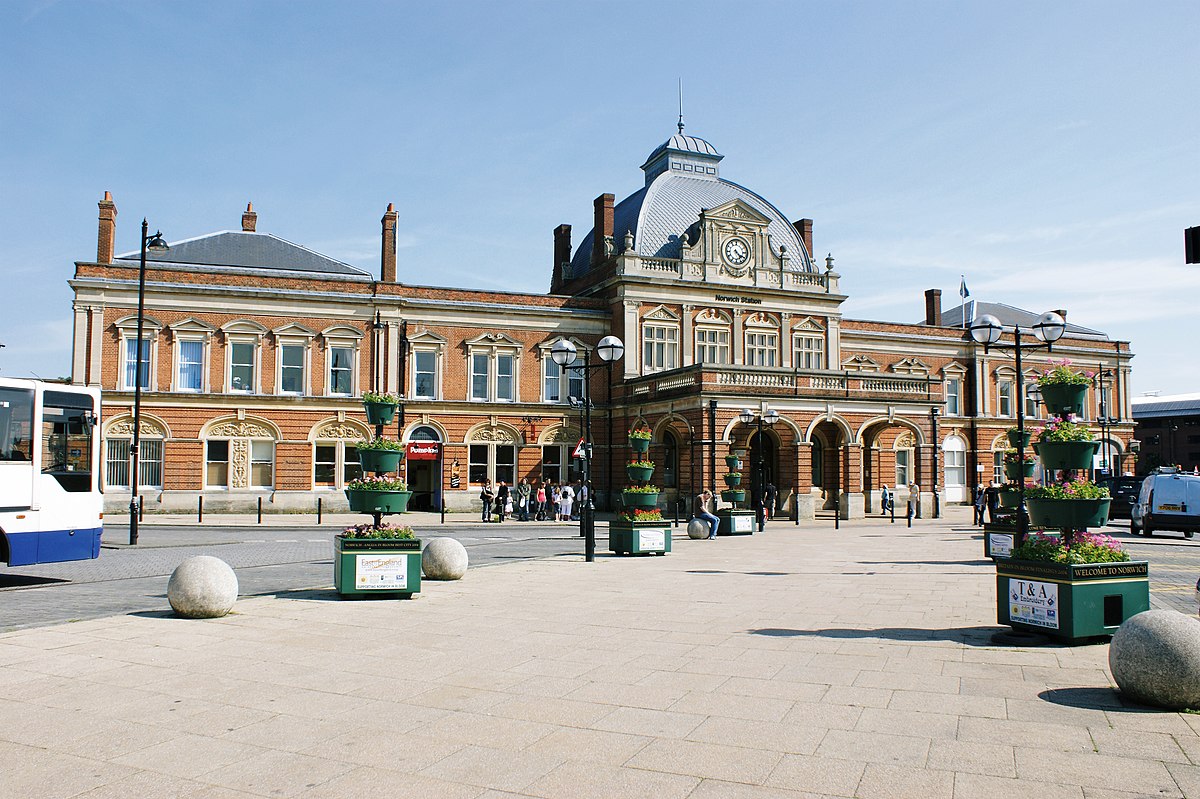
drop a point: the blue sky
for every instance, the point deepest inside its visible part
(1048, 151)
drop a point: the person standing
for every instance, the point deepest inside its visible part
(885, 500)
(770, 496)
(524, 490)
(503, 501)
(702, 507)
(487, 496)
(566, 500)
(541, 502)
(980, 503)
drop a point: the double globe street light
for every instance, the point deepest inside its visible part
(987, 330)
(153, 243)
(748, 417)
(564, 353)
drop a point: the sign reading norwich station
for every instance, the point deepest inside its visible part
(743, 300)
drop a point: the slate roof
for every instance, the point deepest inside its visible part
(1009, 316)
(1172, 405)
(245, 250)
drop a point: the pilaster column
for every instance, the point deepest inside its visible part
(96, 345)
(633, 340)
(785, 340)
(79, 346)
(393, 367)
(739, 342)
(689, 337)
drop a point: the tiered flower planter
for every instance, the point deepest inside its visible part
(735, 520)
(632, 535)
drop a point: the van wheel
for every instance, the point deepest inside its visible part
(1188, 535)
(1147, 530)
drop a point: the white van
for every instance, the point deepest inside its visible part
(1169, 500)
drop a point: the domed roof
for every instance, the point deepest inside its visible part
(683, 179)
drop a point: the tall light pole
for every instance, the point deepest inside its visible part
(748, 417)
(564, 354)
(153, 243)
(1106, 422)
(986, 330)
(937, 500)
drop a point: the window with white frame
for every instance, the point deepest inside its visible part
(216, 463)
(810, 351)
(341, 371)
(955, 450)
(189, 365)
(712, 345)
(293, 368)
(425, 374)
(495, 462)
(1004, 396)
(481, 364)
(903, 467)
(262, 464)
(998, 475)
(660, 347)
(1032, 406)
(117, 462)
(761, 347)
(130, 369)
(335, 463)
(559, 384)
(493, 360)
(505, 386)
(242, 360)
(953, 396)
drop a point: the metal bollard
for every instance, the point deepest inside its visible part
(910, 513)
(796, 505)
(675, 511)
(319, 499)
(443, 510)
(837, 511)
(892, 505)
(260, 510)
(141, 511)
(199, 510)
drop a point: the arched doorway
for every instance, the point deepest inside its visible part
(828, 474)
(423, 476)
(770, 460)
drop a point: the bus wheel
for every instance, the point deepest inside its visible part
(1189, 534)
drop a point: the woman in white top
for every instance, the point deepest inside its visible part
(566, 498)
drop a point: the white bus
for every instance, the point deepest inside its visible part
(50, 504)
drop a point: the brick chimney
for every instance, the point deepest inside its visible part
(387, 270)
(602, 226)
(249, 219)
(108, 230)
(804, 228)
(933, 307)
(562, 256)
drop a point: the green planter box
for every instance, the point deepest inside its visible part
(734, 495)
(639, 538)
(380, 412)
(1066, 454)
(1063, 399)
(639, 499)
(379, 461)
(1015, 471)
(639, 474)
(639, 445)
(1068, 600)
(736, 522)
(733, 479)
(1009, 497)
(377, 567)
(1068, 514)
(1016, 440)
(378, 501)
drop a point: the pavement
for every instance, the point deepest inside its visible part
(799, 662)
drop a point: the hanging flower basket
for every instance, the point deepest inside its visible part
(639, 474)
(1069, 514)
(1009, 497)
(1064, 398)
(380, 412)
(639, 499)
(733, 463)
(1018, 439)
(1066, 454)
(734, 495)
(733, 479)
(379, 461)
(1015, 471)
(378, 501)
(639, 444)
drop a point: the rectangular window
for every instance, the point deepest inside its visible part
(479, 377)
(504, 377)
(150, 462)
(131, 363)
(1005, 393)
(551, 380)
(262, 464)
(902, 466)
(325, 465)
(660, 348)
(552, 458)
(341, 371)
(216, 464)
(953, 397)
(1105, 399)
(998, 468)
(241, 367)
(956, 467)
(810, 352)
(506, 463)
(291, 369)
(116, 463)
(351, 469)
(191, 366)
(575, 383)
(477, 468)
(712, 346)
(760, 349)
(425, 375)
(16, 424)
(1031, 404)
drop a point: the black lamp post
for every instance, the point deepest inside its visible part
(1106, 422)
(986, 330)
(937, 500)
(564, 354)
(748, 417)
(153, 243)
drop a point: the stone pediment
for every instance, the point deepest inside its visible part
(493, 340)
(661, 314)
(860, 363)
(739, 211)
(910, 366)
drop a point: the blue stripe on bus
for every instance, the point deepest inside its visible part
(53, 546)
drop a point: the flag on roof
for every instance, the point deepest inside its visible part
(962, 287)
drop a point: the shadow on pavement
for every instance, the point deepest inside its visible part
(27, 580)
(1095, 699)
(752, 574)
(972, 636)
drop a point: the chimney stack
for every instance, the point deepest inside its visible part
(249, 219)
(387, 271)
(933, 307)
(562, 256)
(804, 228)
(602, 227)
(108, 230)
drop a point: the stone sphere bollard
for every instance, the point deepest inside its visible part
(698, 528)
(1155, 659)
(202, 587)
(444, 559)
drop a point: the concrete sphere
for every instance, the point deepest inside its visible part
(202, 587)
(698, 528)
(444, 559)
(1155, 659)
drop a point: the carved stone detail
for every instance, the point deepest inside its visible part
(341, 431)
(498, 434)
(239, 430)
(239, 463)
(148, 429)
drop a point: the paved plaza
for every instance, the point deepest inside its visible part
(801, 662)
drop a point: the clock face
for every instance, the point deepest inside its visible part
(737, 251)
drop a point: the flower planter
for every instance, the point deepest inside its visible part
(377, 567)
(639, 499)
(639, 538)
(639, 474)
(1066, 454)
(735, 522)
(639, 445)
(733, 479)
(733, 462)
(380, 412)
(1062, 399)
(734, 495)
(1072, 601)
(380, 461)
(378, 501)
(1015, 471)
(1069, 514)
(1018, 439)
(1009, 497)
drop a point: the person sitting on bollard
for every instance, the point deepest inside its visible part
(703, 510)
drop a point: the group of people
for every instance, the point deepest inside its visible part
(530, 500)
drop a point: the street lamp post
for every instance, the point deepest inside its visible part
(986, 330)
(153, 243)
(610, 348)
(748, 417)
(1106, 422)
(937, 500)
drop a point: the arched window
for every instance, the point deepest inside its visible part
(955, 450)
(424, 433)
